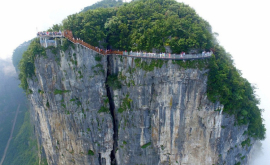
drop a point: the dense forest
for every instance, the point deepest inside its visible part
(148, 25)
(143, 25)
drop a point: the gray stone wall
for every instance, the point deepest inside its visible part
(157, 117)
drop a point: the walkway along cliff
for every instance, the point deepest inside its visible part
(50, 39)
(102, 110)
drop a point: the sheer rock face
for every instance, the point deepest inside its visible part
(157, 117)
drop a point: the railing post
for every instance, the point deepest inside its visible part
(46, 45)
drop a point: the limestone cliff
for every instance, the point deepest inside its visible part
(161, 116)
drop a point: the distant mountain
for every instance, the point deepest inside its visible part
(18, 52)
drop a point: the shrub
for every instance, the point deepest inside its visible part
(90, 152)
(113, 82)
(146, 145)
(98, 58)
(149, 66)
(103, 109)
(26, 65)
(56, 91)
(66, 44)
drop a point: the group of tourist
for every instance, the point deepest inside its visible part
(166, 55)
(204, 53)
(49, 33)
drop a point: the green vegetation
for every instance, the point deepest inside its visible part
(40, 91)
(113, 82)
(125, 104)
(104, 4)
(72, 100)
(66, 44)
(23, 145)
(143, 25)
(146, 145)
(246, 142)
(47, 104)
(98, 58)
(103, 109)
(55, 28)
(80, 74)
(60, 92)
(27, 66)
(90, 152)
(53, 49)
(225, 84)
(77, 101)
(149, 66)
(202, 63)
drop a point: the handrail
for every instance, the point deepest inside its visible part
(68, 35)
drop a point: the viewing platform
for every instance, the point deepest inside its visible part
(49, 38)
(50, 34)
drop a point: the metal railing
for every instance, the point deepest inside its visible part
(167, 55)
(68, 35)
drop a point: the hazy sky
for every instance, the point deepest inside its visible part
(243, 27)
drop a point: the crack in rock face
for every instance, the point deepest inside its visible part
(162, 116)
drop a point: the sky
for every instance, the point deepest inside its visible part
(243, 28)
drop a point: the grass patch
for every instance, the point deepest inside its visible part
(246, 143)
(90, 152)
(146, 145)
(40, 91)
(47, 105)
(59, 92)
(98, 58)
(103, 109)
(149, 66)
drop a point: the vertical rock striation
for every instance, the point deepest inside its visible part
(161, 116)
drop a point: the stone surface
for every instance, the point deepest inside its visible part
(169, 120)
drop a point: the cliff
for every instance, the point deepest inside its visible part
(92, 109)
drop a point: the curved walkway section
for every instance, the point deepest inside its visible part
(68, 35)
